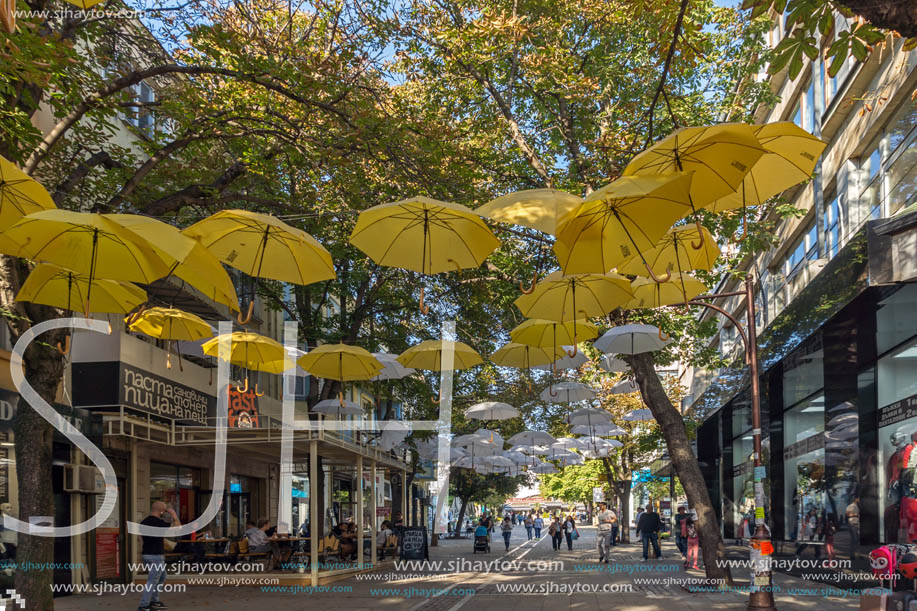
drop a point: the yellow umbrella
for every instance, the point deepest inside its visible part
(524, 356)
(88, 244)
(55, 286)
(20, 195)
(571, 297)
(679, 289)
(340, 362)
(187, 257)
(251, 351)
(539, 209)
(428, 355)
(790, 157)
(423, 235)
(549, 333)
(621, 220)
(671, 254)
(263, 246)
(719, 155)
(169, 324)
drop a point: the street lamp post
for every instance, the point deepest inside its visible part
(762, 596)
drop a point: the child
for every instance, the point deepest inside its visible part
(693, 543)
(830, 529)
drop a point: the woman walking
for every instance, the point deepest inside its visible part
(556, 530)
(538, 524)
(569, 531)
(693, 543)
(507, 528)
(528, 525)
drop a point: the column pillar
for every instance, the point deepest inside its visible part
(313, 510)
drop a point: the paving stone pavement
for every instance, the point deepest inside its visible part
(544, 580)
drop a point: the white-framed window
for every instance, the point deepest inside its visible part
(831, 222)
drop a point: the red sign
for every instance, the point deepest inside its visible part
(108, 560)
(383, 511)
(243, 408)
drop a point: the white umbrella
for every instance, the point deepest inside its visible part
(572, 459)
(532, 438)
(638, 415)
(566, 361)
(598, 430)
(499, 461)
(481, 448)
(544, 467)
(567, 392)
(467, 462)
(593, 454)
(625, 387)
(632, 339)
(490, 437)
(393, 433)
(558, 453)
(520, 458)
(530, 450)
(334, 407)
(463, 440)
(492, 410)
(589, 416)
(568, 443)
(612, 364)
(391, 368)
(455, 454)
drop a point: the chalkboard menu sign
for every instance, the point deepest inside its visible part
(414, 543)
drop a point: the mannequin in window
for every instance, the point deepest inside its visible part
(893, 467)
(907, 491)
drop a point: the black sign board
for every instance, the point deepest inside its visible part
(414, 543)
(111, 384)
(809, 444)
(899, 411)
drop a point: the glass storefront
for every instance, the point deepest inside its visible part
(177, 487)
(805, 484)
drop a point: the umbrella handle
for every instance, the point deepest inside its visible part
(575, 349)
(66, 349)
(423, 309)
(664, 336)
(657, 279)
(458, 267)
(341, 398)
(700, 242)
(743, 235)
(133, 317)
(86, 309)
(258, 394)
(531, 289)
(551, 391)
(248, 316)
(243, 390)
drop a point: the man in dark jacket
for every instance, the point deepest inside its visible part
(648, 528)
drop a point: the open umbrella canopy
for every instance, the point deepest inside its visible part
(625, 387)
(719, 155)
(468, 462)
(187, 258)
(550, 334)
(498, 461)
(251, 351)
(612, 364)
(480, 449)
(555, 453)
(539, 209)
(263, 246)
(491, 410)
(423, 235)
(391, 368)
(489, 436)
(631, 339)
(524, 356)
(521, 458)
(674, 253)
(20, 194)
(532, 438)
(638, 415)
(466, 440)
(567, 392)
(170, 324)
(566, 361)
(543, 468)
(427, 355)
(621, 220)
(340, 362)
(680, 288)
(337, 407)
(598, 430)
(89, 244)
(589, 416)
(394, 433)
(454, 454)
(61, 288)
(789, 158)
(567, 443)
(564, 298)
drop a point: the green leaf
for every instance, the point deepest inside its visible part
(795, 65)
(809, 48)
(779, 62)
(910, 44)
(780, 6)
(826, 23)
(837, 63)
(858, 49)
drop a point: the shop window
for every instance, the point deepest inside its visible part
(805, 484)
(831, 227)
(901, 166)
(803, 373)
(176, 486)
(896, 318)
(897, 388)
(743, 486)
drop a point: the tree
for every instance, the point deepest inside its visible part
(471, 487)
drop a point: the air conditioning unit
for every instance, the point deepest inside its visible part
(83, 478)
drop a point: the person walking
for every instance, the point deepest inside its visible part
(681, 539)
(556, 530)
(852, 513)
(538, 524)
(692, 543)
(529, 523)
(152, 554)
(606, 519)
(648, 528)
(569, 531)
(507, 527)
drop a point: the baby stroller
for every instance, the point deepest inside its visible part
(481, 542)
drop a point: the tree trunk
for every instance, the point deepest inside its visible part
(900, 17)
(624, 520)
(461, 518)
(34, 436)
(684, 462)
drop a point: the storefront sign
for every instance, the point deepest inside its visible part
(804, 446)
(243, 409)
(383, 512)
(740, 470)
(414, 543)
(107, 553)
(156, 395)
(899, 411)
